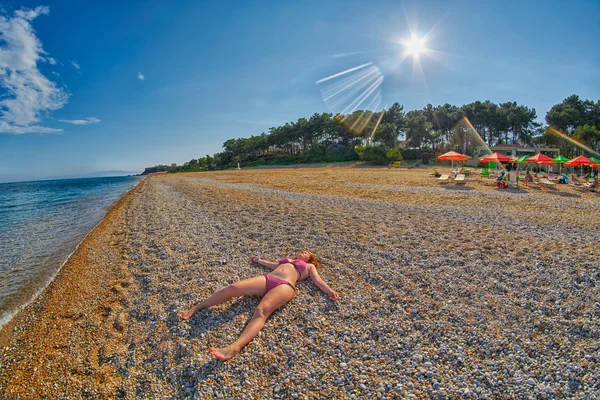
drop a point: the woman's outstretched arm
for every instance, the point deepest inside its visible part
(269, 264)
(317, 280)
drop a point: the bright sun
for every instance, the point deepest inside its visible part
(414, 46)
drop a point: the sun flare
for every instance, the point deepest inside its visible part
(414, 46)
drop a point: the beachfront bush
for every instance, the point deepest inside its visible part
(333, 153)
(394, 155)
(375, 154)
(411, 154)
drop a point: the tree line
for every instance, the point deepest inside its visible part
(392, 135)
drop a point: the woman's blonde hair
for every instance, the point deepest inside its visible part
(312, 259)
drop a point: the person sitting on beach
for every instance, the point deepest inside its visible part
(276, 288)
(528, 178)
(501, 180)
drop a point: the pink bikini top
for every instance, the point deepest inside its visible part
(298, 264)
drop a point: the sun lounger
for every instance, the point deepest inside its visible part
(460, 179)
(443, 178)
(579, 186)
(547, 183)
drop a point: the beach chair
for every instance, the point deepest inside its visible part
(444, 178)
(545, 182)
(485, 172)
(467, 172)
(460, 179)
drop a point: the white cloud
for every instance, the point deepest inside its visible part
(140, 76)
(55, 73)
(90, 120)
(51, 60)
(75, 64)
(29, 15)
(27, 93)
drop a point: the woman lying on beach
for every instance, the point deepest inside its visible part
(276, 288)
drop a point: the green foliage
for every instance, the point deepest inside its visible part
(394, 155)
(386, 134)
(360, 152)
(375, 154)
(412, 154)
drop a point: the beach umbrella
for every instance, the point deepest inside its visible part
(541, 159)
(560, 160)
(522, 159)
(453, 156)
(579, 161)
(496, 157)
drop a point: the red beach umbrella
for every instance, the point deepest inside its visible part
(453, 156)
(579, 161)
(541, 159)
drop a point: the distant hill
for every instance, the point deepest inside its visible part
(99, 174)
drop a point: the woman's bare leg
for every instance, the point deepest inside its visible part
(276, 298)
(248, 287)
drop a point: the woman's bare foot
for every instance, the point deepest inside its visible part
(224, 353)
(188, 314)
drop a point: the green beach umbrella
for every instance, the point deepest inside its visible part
(560, 160)
(523, 159)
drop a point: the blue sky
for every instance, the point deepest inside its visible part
(73, 102)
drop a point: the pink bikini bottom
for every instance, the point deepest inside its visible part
(273, 282)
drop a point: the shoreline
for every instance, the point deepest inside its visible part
(7, 328)
(4, 337)
(438, 296)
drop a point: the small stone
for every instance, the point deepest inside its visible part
(585, 363)
(530, 382)
(343, 365)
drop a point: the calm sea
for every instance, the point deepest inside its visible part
(41, 223)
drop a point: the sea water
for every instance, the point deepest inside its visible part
(41, 224)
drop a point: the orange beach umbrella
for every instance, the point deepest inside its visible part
(453, 156)
(496, 157)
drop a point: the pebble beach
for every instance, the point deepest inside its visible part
(445, 292)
